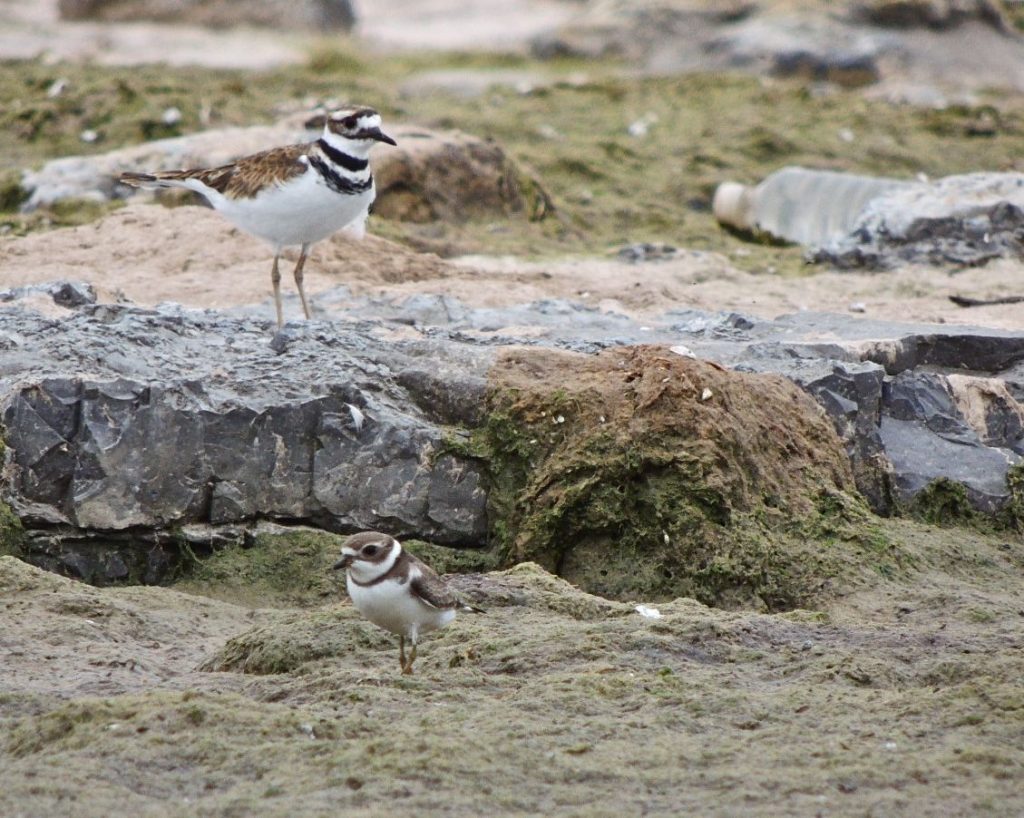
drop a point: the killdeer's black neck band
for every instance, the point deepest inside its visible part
(335, 181)
(341, 158)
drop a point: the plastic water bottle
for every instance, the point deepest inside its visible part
(810, 207)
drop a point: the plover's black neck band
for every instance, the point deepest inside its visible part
(399, 571)
(341, 158)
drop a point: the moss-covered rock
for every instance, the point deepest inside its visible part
(638, 472)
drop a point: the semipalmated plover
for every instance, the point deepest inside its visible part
(396, 591)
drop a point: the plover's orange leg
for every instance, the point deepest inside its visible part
(298, 279)
(407, 670)
(401, 652)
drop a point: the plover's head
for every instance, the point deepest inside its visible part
(359, 126)
(368, 555)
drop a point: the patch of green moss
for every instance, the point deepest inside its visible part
(292, 567)
(1013, 514)
(945, 502)
(447, 560)
(65, 213)
(11, 532)
(12, 194)
(297, 639)
(285, 567)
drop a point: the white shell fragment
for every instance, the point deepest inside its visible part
(358, 418)
(647, 612)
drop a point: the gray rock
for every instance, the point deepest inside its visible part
(963, 220)
(924, 457)
(129, 431)
(202, 422)
(860, 221)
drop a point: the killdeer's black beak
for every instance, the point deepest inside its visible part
(344, 562)
(376, 133)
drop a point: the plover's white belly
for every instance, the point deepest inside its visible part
(389, 605)
(302, 211)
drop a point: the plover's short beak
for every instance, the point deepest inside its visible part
(344, 562)
(378, 134)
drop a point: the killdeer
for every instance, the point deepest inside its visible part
(294, 195)
(396, 591)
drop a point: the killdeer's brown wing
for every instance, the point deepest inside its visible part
(239, 180)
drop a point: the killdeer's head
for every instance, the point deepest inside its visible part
(359, 128)
(368, 555)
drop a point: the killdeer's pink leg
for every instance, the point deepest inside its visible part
(298, 279)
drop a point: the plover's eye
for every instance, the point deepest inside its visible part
(370, 550)
(349, 122)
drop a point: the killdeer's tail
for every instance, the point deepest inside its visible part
(150, 181)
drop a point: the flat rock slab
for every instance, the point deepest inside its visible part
(120, 420)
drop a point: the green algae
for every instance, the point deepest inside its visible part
(448, 560)
(756, 714)
(294, 640)
(946, 502)
(863, 706)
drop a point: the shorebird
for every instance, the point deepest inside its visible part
(293, 195)
(396, 591)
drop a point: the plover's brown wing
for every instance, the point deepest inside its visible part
(239, 180)
(431, 589)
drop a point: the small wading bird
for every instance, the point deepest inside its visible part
(295, 195)
(396, 591)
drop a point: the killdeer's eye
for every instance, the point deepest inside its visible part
(370, 550)
(349, 122)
